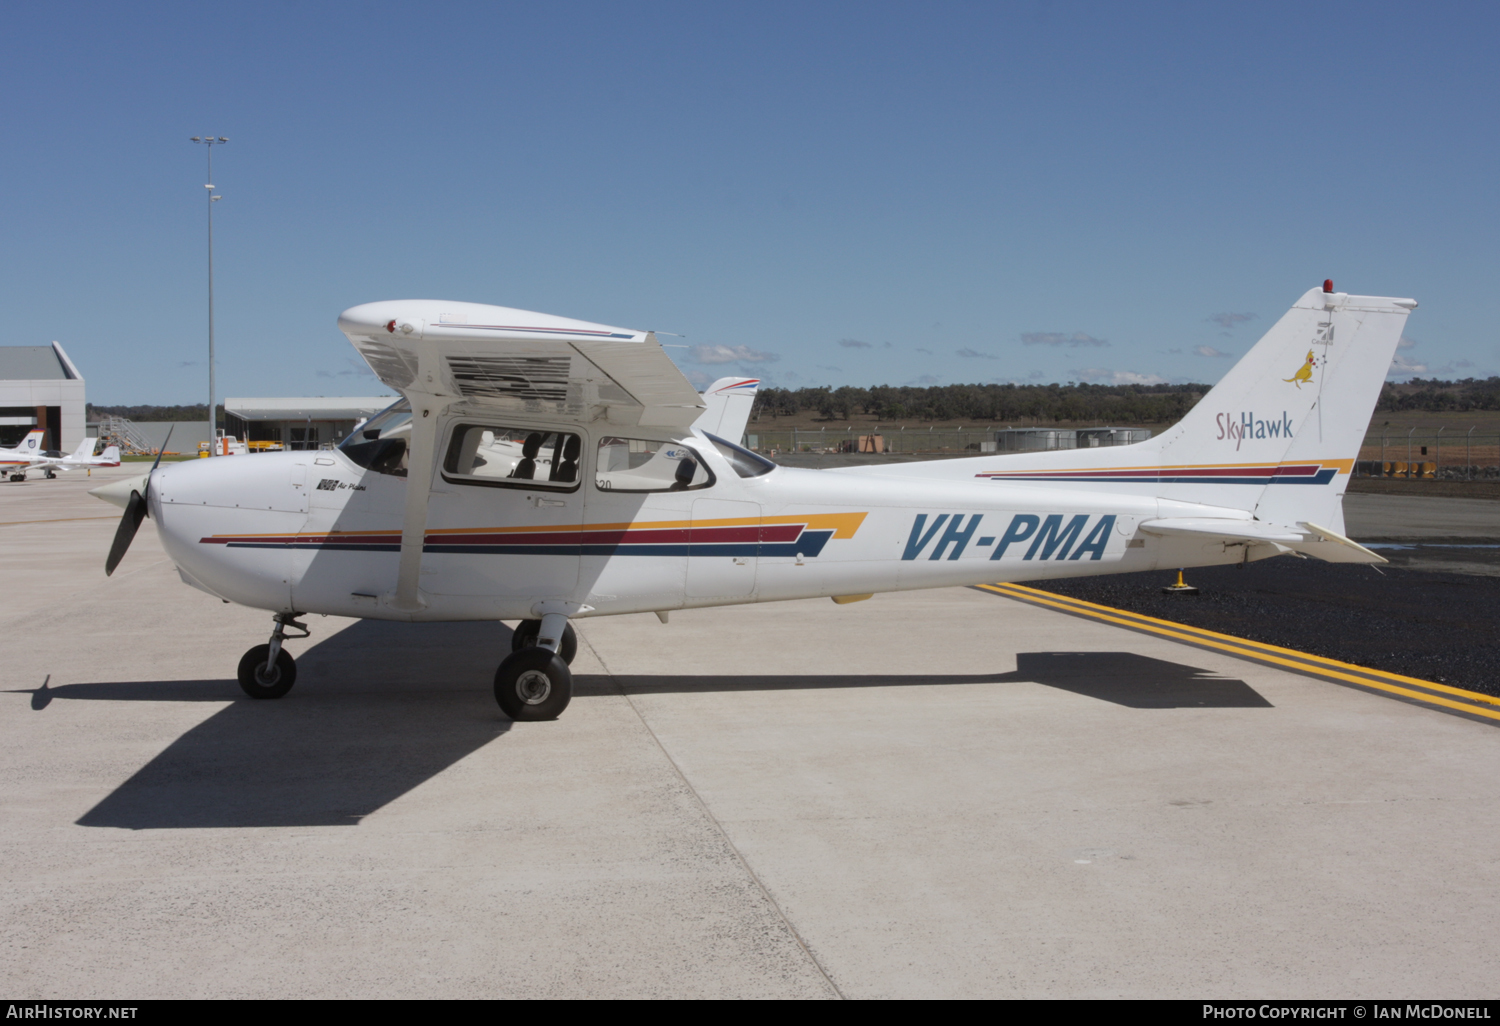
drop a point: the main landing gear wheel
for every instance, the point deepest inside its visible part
(525, 636)
(257, 682)
(51, 475)
(533, 684)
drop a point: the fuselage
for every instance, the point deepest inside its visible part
(318, 532)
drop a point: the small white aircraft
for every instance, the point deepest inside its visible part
(23, 455)
(543, 469)
(29, 455)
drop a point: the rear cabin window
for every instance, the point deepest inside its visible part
(647, 465)
(744, 462)
(489, 454)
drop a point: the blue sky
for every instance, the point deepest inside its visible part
(815, 193)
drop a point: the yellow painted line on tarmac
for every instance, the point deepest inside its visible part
(54, 520)
(1470, 702)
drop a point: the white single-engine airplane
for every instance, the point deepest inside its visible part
(29, 455)
(543, 469)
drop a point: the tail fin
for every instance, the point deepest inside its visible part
(728, 402)
(111, 455)
(31, 445)
(85, 449)
(1293, 411)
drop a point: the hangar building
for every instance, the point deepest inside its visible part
(40, 388)
(307, 423)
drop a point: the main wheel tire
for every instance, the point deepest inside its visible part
(254, 680)
(527, 631)
(533, 684)
(51, 475)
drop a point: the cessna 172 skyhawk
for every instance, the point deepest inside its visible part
(543, 469)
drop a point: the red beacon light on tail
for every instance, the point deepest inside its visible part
(1328, 285)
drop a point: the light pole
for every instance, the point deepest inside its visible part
(210, 142)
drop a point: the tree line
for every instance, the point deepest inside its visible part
(150, 413)
(1435, 396)
(1120, 404)
(1149, 404)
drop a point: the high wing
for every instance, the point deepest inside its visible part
(452, 357)
(494, 357)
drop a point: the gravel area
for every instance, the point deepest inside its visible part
(1435, 626)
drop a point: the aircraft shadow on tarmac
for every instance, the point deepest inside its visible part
(380, 708)
(1124, 678)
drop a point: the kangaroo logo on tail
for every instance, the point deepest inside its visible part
(1305, 372)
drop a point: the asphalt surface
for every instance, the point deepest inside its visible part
(936, 794)
(1433, 613)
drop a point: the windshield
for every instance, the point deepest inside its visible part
(744, 462)
(380, 444)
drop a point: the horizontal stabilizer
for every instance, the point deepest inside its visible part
(1308, 539)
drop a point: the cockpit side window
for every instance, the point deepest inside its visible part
(647, 465)
(499, 456)
(380, 443)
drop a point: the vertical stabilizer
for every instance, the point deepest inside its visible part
(728, 403)
(31, 445)
(1294, 410)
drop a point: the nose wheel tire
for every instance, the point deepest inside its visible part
(257, 683)
(533, 684)
(525, 636)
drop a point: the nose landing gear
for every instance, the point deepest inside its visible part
(266, 671)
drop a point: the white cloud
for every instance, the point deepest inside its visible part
(975, 354)
(1229, 320)
(1405, 343)
(716, 353)
(1209, 351)
(1100, 376)
(854, 343)
(1060, 338)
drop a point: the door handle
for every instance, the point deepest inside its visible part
(540, 502)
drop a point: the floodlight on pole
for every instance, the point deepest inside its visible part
(210, 142)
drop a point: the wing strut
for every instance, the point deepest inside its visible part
(421, 461)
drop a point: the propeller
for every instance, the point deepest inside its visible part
(135, 511)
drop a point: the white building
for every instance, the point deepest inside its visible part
(306, 423)
(40, 388)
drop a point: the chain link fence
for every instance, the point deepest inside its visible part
(1433, 455)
